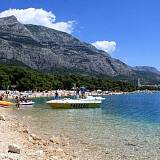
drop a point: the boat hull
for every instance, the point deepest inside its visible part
(74, 106)
(68, 103)
(27, 103)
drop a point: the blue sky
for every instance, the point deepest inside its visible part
(133, 24)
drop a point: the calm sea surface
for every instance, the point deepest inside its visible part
(125, 124)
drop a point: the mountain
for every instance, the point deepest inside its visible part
(147, 69)
(47, 49)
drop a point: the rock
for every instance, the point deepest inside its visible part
(4, 156)
(52, 139)
(59, 150)
(107, 152)
(14, 148)
(25, 130)
(35, 137)
(30, 139)
(2, 118)
(40, 153)
(130, 144)
(56, 140)
(45, 143)
(37, 153)
(10, 157)
(54, 158)
(146, 69)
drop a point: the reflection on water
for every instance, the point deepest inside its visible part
(121, 120)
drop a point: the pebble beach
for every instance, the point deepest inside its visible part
(124, 128)
(29, 146)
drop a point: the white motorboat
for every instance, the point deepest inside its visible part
(74, 103)
(27, 103)
(94, 98)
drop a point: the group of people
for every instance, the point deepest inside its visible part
(80, 93)
(20, 99)
(4, 96)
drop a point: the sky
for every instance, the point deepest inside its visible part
(128, 29)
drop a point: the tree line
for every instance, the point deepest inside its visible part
(23, 78)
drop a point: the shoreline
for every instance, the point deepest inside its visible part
(32, 147)
(35, 147)
(13, 130)
(64, 93)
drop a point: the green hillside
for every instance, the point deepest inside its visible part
(24, 78)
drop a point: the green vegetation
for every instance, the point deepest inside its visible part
(23, 78)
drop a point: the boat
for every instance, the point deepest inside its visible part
(67, 103)
(94, 98)
(27, 103)
(6, 103)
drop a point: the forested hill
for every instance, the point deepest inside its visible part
(28, 79)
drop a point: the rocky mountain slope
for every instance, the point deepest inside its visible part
(50, 50)
(46, 49)
(147, 69)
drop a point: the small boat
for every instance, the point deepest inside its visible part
(94, 98)
(6, 103)
(67, 103)
(27, 103)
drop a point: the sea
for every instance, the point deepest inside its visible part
(126, 126)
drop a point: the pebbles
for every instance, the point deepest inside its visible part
(6, 156)
(2, 118)
(38, 153)
(33, 147)
(55, 140)
(35, 137)
(25, 130)
(14, 134)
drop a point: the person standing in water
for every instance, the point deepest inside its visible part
(77, 92)
(56, 95)
(17, 102)
(1, 98)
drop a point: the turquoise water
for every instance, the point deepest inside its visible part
(126, 125)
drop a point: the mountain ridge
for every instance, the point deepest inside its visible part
(48, 50)
(147, 69)
(53, 48)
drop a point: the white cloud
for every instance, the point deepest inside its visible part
(39, 17)
(106, 46)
